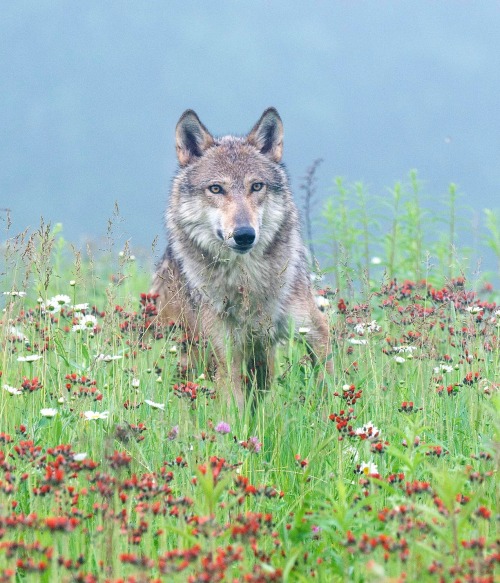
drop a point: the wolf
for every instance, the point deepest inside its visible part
(235, 269)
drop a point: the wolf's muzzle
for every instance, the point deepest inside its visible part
(244, 238)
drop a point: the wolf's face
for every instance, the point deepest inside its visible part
(229, 184)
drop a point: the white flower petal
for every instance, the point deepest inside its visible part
(48, 412)
(155, 405)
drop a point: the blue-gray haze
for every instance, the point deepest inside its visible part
(91, 91)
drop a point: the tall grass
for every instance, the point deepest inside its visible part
(368, 237)
(114, 467)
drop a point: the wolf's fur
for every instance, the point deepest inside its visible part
(235, 268)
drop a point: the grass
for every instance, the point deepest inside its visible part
(114, 468)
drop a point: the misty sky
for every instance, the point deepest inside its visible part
(91, 92)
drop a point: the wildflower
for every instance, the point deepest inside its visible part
(360, 328)
(29, 358)
(93, 415)
(322, 302)
(19, 294)
(399, 359)
(173, 349)
(373, 326)
(254, 444)
(135, 383)
(61, 299)
(304, 330)
(79, 457)
(50, 306)
(107, 357)
(13, 390)
(443, 368)
(368, 469)
(368, 431)
(72, 282)
(80, 307)
(173, 433)
(17, 333)
(85, 323)
(474, 309)
(48, 412)
(358, 341)
(400, 349)
(223, 427)
(154, 405)
(375, 261)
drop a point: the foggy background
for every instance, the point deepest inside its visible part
(91, 92)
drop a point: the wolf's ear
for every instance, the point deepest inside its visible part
(267, 135)
(191, 138)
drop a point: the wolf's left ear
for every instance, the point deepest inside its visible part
(191, 138)
(267, 135)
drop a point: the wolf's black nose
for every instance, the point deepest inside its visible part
(244, 236)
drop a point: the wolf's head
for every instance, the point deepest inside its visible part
(230, 190)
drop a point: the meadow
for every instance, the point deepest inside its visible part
(115, 467)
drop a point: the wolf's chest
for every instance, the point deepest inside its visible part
(247, 296)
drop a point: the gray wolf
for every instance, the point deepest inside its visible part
(235, 270)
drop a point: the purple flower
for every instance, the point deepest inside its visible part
(173, 433)
(254, 444)
(223, 427)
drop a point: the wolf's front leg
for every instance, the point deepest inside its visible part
(319, 341)
(317, 334)
(229, 382)
(228, 361)
(260, 366)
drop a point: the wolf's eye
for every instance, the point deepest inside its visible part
(256, 186)
(216, 189)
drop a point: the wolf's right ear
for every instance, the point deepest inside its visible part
(267, 134)
(191, 138)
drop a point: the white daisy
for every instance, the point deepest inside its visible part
(50, 306)
(29, 358)
(93, 415)
(443, 368)
(48, 412)
(107, 357)
(87, 323)
(79, 457)
(400, 349)
(12, 390)
(61, 299)
(155, 405)
(18, 294)
(368, 468)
